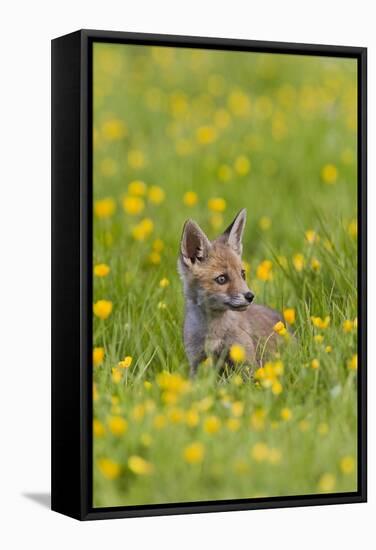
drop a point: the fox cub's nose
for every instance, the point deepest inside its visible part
(249, 296)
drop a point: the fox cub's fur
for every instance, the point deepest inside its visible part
(218, 303)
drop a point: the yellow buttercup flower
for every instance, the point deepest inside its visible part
(190, 198)
(318, 338)
(137, 188)
(298, 262)
(237, 353)
(352, 363)
(280, 328)
(155, 258)
(289, 315)
(264, 271)
(98, 356)
(117, 425)
(140, 466)
(102, 309)
(158, 245)
(326, 483)
(242, 165)
(258, 419)
(109, 468)
(348, 325)
(286, 414)
(237, 408)
(352, 228)
(101, 270)
(217, 204)
(347, 465)
(206, 135)
(212, 424)
(318, 322)
(143, 230)
(315, 264)
(104, 208)
(315, 364)
(265, 223)
(239, 103)
(116, 375)
(156, 194)
(328, 349)
(113, 129)
(311, 236)
(133, 205)
(277, 387)
(125, 363)
(136, 158)
(329, 174)
(98, 428)
(163, 283)
(233, 424)
(192, 418)
(194, 453)
(259, 452)
(224, 172)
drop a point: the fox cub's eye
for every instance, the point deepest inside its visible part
(243, 273)
(221, 279)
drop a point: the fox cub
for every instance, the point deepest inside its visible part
(219, 309)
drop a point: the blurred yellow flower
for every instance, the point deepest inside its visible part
(117, 425)
(315, 264)
(192, 418)
(318, 338)
(259, 452)
(323, 428)
(102, 309)
(224, 172)
(159, 421)
(298, 261)
(212, 424)
(237, 408)
(108, 468)
(239, 103)
(274, 456)
(289, 315)
(113, 129)
(326, 483)
(137, 188)
(158, 245)
(136, 158)
(264, 271)
(194, 453)
(143, 229)
(348, 325)
(277, 387)
(190, 198)
(233, 424)
(257, 419)
(216, 220)
(222, 119)
(217, 204)
(133, 205)
(311, 236)
(140, 466)
(347, 465)
(265, 223)
(116, 375)
(242, 165)
(315, 364)
(101, 270)
(156, 194)
(237, 353)
(104, 208)
(352, 228)
(206, 135)
(98, 428)
(329, 174)
(352, 363)
(286, 414)
(155, 258)
(328, 349)
(163, 283)
(98, 356)
(126, 362)
(318, 322)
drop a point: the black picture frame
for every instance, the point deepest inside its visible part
(72, 273)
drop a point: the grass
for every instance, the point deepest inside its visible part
(275, 134)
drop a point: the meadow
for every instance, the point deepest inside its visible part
(197, 134)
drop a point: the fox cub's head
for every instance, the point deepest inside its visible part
(212, 270)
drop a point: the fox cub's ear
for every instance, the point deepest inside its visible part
(234, 233)
(194, 244)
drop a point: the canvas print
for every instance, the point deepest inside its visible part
(224, 275)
